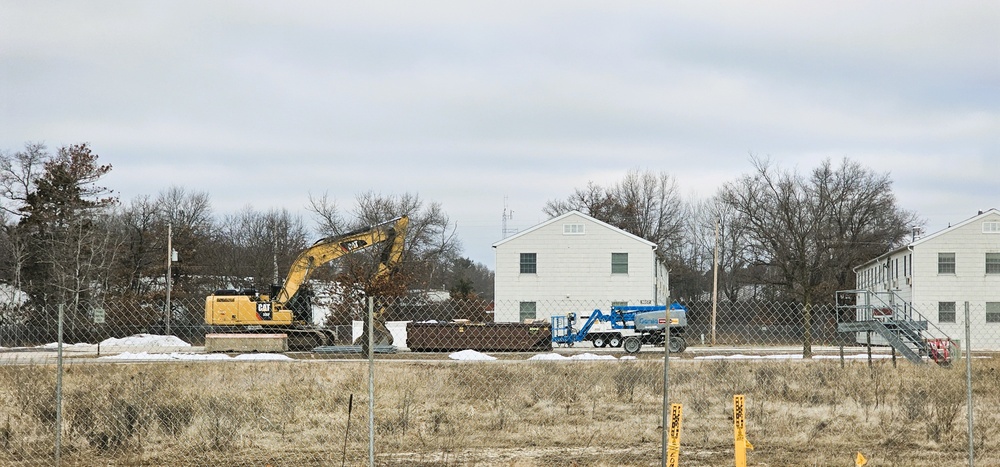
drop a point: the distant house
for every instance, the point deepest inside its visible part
(937, 274)
(574, 262)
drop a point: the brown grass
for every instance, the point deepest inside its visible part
(510, 413)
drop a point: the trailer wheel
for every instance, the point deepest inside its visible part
(677, 344)
(632, 344)
(599, 341)
(615, 341)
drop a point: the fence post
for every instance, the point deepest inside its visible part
(868, 342)
(371, 382)
(968, 385)
(665, 416)
(59, 374)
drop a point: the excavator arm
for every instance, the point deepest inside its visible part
(247, 310)
(391, 256)
(328, 249)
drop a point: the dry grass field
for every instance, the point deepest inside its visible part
(502, 413)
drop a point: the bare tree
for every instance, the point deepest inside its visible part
(801, 229)
(431, 244)
(329, 218)
(864, 221)
(19, 172)
(431, 239)
(137, 225)
(13, 255)
(260, 246)
(593, 200)
(716, 227)
(60, 210)
(186, 216)
(644, 203)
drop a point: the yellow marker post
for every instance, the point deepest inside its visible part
(740, 430)
(859, 460)
(674, 443)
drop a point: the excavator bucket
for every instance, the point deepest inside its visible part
(382, 335)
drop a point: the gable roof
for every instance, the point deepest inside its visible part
(578, 214)
(964, 223)
(981, 215)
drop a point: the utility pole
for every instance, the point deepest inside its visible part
(274, 258)
(715, 280)
(170, 258)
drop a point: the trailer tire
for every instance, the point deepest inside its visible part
(677, 344)
(599, 341)
(632, 344)
(615, 341)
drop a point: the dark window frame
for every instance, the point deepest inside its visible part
(993, 316)
(947, 263)
(529, 263)
(617, 265)
(522, 309)
(946, 312)
(992, 263)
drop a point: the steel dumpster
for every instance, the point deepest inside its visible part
(496, 337)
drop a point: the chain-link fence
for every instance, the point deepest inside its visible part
(455, 388)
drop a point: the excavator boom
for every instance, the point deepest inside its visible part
(331, 248)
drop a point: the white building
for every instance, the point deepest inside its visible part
(576, 263)
(937, 274)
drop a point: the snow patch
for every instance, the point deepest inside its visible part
(590, 356)
(147, 340)
(162, 357)
(177, 356)
(138, 340)
(582, 356)
(549, 356)
(470, 355)
(787, 357)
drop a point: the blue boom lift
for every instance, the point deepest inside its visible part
(631, 327)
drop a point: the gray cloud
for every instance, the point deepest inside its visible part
(466, 103)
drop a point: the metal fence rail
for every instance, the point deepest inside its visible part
(123, 392)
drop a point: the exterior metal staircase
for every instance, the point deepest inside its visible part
(895, 321)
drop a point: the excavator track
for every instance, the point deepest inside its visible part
(304, 340)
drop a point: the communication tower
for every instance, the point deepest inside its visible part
(507, 214)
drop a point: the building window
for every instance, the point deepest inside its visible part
(529, 263)
(946, 312)
(619, 263)
(527, 311)
(573, 229)
(992, 263)
(993, 312)
(991, 227)
(946, 263)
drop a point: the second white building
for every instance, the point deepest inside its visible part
(575, 263)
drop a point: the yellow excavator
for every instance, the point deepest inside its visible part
(285, 309)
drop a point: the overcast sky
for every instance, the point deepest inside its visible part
(469, 103)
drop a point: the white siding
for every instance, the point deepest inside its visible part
(969, 283)
(574, 270)
(926, 288)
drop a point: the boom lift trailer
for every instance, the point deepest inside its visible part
(642, 324)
